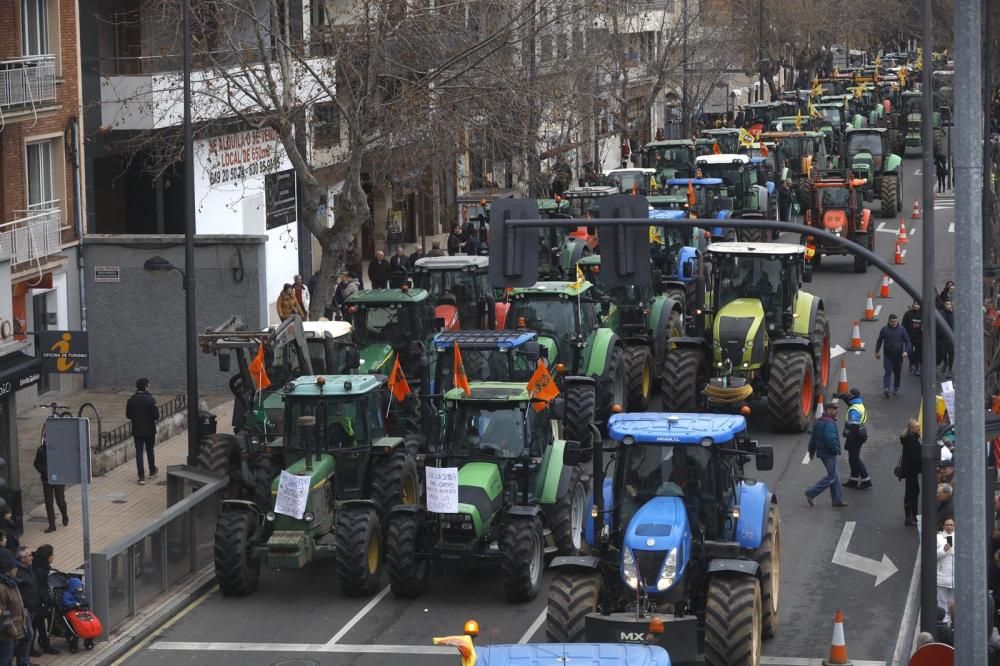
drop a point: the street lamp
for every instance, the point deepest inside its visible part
(159, 264)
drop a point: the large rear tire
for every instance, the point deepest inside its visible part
(733, 624)
(216, 453)
(821, 350)
(580, 405)
(790, 391)
(565, 517)
(359, 551)
(572, 596)
(888, 196)
(685, 373)
(752, 235)
(768, 558)
(860, 263)
(236, 573)
(523, 551)
(639, 370)
(395, 481)
(612, 386)
(409, 571)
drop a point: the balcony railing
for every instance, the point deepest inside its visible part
(27, 81)
(34, 234)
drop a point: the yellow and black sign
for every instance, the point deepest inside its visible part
(64, 352)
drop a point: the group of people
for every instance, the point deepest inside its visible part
(25, 599)
(824, 443)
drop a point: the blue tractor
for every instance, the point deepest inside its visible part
(678, 534)
(676, 253)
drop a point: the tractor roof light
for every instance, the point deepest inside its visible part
(616, 408)
(320, 381)
(471, 628)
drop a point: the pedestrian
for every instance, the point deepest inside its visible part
(9, 528)
(41, 564)
(941, 169)
(436, 250)
(378, 271)
(472, 245)
(54, 493)
(302, 294)
(287, 305)
(945, 347)
(825, 443)
(913, 324)
(142, 411)
(12, 613)
(947, 293)
(28, 586)
(945, 504)
(455, 241)
(909, 469)
(415, 256)
(313, 282)
(353, 263)
(346, 286)
(897, 347)
(399, 269)
(946, 567)
(855, 435)
(784, 200)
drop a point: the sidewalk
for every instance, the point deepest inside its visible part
(118, 505)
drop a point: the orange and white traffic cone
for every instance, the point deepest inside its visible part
(842, 385)
(838, 646)
(870, 309)
(883, 292)
(901, 234)
(898, 257)
(856, 343)
(916, 210)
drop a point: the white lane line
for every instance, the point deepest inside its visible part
(951, 228)
(801, 661)
(159, 632)
(907, 624)
(880, 227)
(360, 615)
(345, 648)
(837, 351)
(805, 458)
(535, 626)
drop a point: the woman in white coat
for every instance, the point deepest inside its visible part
(946, 566)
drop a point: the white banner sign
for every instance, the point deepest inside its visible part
(293, 493)
(948, 394)
(442, 489)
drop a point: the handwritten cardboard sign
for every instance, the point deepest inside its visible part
(293, 493)
(442, 489)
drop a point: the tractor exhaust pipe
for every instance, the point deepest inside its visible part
(307, 428)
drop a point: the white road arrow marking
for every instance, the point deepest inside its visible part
(837, 351)
(918, 172)
(805, 459)
(881, 227)
(951, 228)
(881, 570)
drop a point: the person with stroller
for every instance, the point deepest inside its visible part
(41, 564)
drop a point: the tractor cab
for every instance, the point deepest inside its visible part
(801, 151)
(670, 159)
(742, 181)
(330, 346)
(838, 207)
(487, 356)
(868, 154)
(563, 314)
(390, 323)
(459, 288)
(633, 181)
(559, 247)
(727, 138)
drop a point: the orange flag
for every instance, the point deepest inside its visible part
(461, 380)
(257, 371)
(692, 199)
(542, 386)
(397, 382)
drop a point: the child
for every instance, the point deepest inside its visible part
(73, 596)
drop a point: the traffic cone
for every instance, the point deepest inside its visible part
(916, 210)
(898, 258)
(883, 292)
(870, 309)
(819, 407)
(842, 385)
(901, 235)
(838, 646)
(856, 343)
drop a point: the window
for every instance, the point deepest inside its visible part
(35, 27)
(41, 187)
(326, 121)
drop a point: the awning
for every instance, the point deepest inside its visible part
(18, 371)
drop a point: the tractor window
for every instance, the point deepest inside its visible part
(339, 423)
(488, 428)
(285, 365)
(650, 470)
(831, 114)
(588, 315)
(836, 197)
(376, 416)
(454, 287)
(551, 316)
(750, 276)
(388, 323)
(541, 430)
(858, 142)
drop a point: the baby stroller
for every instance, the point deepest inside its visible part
(71, 622)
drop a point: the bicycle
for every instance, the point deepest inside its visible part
(55, 407)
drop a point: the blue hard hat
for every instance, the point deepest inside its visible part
(75, 584)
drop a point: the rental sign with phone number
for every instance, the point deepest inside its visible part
(234, 157)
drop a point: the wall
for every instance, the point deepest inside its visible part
(136, 326)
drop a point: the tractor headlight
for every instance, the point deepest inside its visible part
(629, 569)
(837, 230)
(308, 516)
(669, 571)
(269, 516)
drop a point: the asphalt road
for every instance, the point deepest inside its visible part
(301, 616)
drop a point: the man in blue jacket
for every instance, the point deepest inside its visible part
(825, 443)
(897, 347)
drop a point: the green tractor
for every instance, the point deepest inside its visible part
(763, 337)
(522, 495)
(673, 158)
(390, 323)
(801, 152)
(578, 333)
(334, 436)
(868, 155)
(911, 109)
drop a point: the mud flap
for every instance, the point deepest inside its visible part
(679, 637)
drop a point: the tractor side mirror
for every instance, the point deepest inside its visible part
(224, 362)
(687, 270)
(605, 305)
(807, 273)
(765, 458)
(572, 453)
(352, 357)
(558, 408)
(533, 350)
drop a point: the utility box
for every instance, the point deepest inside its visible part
(67, 443)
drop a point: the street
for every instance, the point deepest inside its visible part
(831, 558)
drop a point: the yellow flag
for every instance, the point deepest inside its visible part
(798, 120)
(746, 138)
(580, 277)
(466, 648)
(813, 112)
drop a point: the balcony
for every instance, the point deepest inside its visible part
(33, 235)
(27, 82)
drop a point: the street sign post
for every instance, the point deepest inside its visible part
(68, 447)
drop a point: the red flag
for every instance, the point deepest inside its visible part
(397, 382)
(461, 380)
(257, 371)
(542, 386)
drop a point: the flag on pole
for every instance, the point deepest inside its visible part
(257, 371)
(798, 120)
(466, 648)
(746, 138)
(542, 386)
(580, 277)
(461, 380)
(397, 382)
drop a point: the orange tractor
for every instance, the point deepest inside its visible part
(837, 206)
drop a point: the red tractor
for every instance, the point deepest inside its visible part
(838, 207)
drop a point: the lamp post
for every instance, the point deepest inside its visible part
(190, 319)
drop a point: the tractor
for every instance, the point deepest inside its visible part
(578, 333)
(646, 322)
(334, 435)
(706, 198)
(750, 197)
(759, 336)
(838, 207)
(801, 152)
(671, 159)
(459, 288)
(390, 323)
(522, 494)
(680, 539)
(676, 254)
(911, 109)
(560, 248)
(726, 138)
(868, 155)
(633, 181)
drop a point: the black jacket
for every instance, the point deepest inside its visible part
(41, 570)
(455, 241)
(378, 273)
(42, 462)
(13, 535)
(142, 411)
(913, 322)
(910, 458)
(28, 584)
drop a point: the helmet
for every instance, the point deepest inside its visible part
(75, 585)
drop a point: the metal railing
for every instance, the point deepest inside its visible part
(123, 432)
(34, 233)
(27, 81)
(131, 573)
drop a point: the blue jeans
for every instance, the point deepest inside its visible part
(893, 367)
(831, 480)
(7, 651)
(23, 646)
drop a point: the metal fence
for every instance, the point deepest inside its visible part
(131, 573)
(124, 431)
(27, 81)
(34, 234)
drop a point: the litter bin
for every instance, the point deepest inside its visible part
(208, 423)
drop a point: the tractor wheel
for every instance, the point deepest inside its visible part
(408, 570)
(565, 517)
(394, 481)
(675, 294)
(611, 386)
(572, 596)
(639, 369)
(685, 373)
(896, 142)
(263, 482)
(235, 571)
(733, 624)
(887, 194)
(768, 558)
(359, 551)
(753, 235)
(791, 391)
(821, 349)
(414, 444)
(860, 263)
(580, 404)
(215, 454)
(523, 550)
(804, 192)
